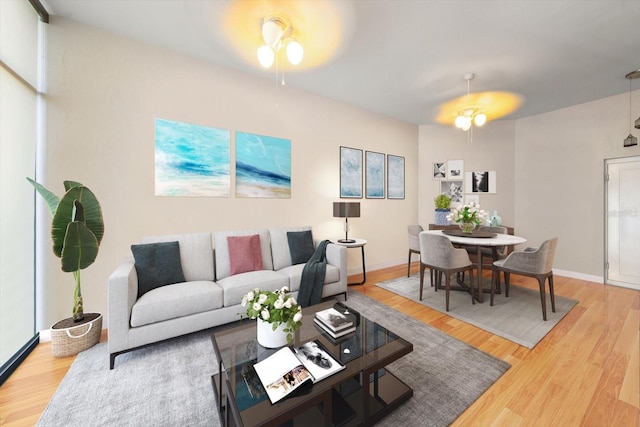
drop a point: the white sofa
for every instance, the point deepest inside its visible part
(210, 295)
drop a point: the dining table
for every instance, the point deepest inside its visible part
(480, 240)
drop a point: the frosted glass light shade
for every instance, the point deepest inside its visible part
(295, 52)
(480, 119)
(266, 56)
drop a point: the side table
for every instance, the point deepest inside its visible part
(359, 243)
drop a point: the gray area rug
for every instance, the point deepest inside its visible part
(169, 384)
(517, 318)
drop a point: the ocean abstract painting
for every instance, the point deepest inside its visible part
(263, 166)
(374, 183)
(395, 177)
(192, 160)
(350, 173)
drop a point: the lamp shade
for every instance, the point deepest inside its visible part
(346, 209)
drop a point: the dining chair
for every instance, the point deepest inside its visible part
(531, 262)
(438, 254)
(414, 244)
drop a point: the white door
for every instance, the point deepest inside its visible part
(622, 251)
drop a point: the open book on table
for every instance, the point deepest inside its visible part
(287, 370)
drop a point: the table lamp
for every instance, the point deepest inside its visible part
(346, 210)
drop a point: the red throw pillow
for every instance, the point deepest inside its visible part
(244, 253)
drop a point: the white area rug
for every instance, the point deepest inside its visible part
(517, 318)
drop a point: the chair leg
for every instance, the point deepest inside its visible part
(507, 275)
(431, 275)
(422, 267)
(473, 297)
(409, 264)
(448, 280)
(553, 299)
(494, 283)
(543, 298)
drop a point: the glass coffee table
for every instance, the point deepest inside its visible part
(361, 394)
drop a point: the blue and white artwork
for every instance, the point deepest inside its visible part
(192, 160)
(263, 166)
(374, 176)
(395, 177)
(350, 173)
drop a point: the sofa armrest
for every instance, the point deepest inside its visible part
(337, 256)
(123, 293)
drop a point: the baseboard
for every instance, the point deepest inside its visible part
(581, 276)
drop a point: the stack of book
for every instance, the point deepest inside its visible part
(334, 323)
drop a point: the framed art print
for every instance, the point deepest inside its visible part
(374, 175)
(350, 173)
(453, 189)
(395, 177)
(263, 166)
(480, 182)
(439, 170)
(455, 169)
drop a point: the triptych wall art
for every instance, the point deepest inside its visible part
(195, 161)
(455, 182)
(352, 171)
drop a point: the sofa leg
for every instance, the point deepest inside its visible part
(112, 360)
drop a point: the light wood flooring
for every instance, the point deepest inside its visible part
(585, 372)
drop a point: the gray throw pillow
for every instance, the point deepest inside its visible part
(300, 246)
(157, 264)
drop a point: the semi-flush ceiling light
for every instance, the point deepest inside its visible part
(631, 140)
(276, 33)
(472, 114)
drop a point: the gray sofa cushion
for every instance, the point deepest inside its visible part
(223, 266)
(300, 246)
(196, 254)
(235, 287)
(157, 264)
(280, 245)
(172, 301)
(294, 273)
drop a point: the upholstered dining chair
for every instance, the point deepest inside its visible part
(438, 254)
(414, 244)
(532, 262)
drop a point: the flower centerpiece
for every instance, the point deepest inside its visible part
(276, 312)
(467, 217)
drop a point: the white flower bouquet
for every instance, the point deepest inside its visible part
(275, 307)
(468, 213)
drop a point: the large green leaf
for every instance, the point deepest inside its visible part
(80, 247)
(90, 213)
(51, 199)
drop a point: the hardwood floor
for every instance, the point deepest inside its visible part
(585, 372)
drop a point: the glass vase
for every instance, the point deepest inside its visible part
(467, 227)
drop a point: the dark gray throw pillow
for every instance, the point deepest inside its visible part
(157, 264)
(300, 246)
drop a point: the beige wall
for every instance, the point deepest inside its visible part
(560, 177)
(550, 179)
(103, 95)
(491, 149)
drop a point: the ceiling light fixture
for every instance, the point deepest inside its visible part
(631, 140)
(472, 114)
(277, 33)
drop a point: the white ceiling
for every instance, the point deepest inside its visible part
(404, 58)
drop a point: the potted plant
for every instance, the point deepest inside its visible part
(443, 204)
(76, 231)
(278, 315)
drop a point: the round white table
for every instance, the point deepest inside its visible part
(357, 243)
(482, 242)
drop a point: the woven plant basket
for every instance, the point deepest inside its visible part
(69, 340)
